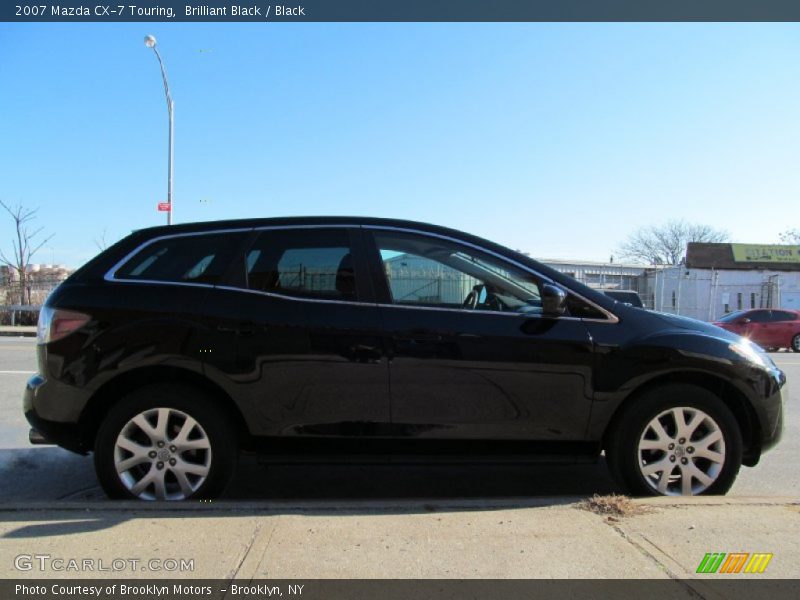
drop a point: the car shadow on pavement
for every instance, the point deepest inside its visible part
(63, 488)
(415, 481)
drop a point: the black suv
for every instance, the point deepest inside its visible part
(179, 346)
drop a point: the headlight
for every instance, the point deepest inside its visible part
(752, 354)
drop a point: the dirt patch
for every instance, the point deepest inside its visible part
(613, 506)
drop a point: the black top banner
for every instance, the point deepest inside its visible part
(400, 10)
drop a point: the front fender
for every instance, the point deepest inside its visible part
(623, 369)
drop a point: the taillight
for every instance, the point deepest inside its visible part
(55, 323)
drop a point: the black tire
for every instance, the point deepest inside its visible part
(623, 439)
(214, 425)
(796, 343)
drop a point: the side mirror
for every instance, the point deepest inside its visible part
(744, 321)
(554, 300)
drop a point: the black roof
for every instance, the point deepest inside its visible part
(307, 220)
(330, 220)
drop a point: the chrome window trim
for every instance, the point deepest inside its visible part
(109, 276)
(479, 312)
(612, 318)
(230, 288)
(157, 282)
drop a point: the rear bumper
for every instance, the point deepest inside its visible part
(66, 434)
(36, 438)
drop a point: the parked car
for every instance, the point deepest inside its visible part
(179, 346)
(626, 296)
(770, 328)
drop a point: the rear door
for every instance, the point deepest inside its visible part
(786, 327)
(295, 336)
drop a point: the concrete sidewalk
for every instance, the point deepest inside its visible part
(511, 538)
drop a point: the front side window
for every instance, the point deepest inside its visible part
(313, 263)
(182, 259)
(760, 316)
(426, 271)
(734, 316)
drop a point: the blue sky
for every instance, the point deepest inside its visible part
(557, 139)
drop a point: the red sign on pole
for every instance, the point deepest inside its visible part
(164, 207)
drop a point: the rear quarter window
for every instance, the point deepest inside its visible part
(182, 259)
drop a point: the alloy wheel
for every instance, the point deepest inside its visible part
(162, 454)
(681, 452)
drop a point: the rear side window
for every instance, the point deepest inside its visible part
(312, 263)
(183, 259)
(782, 315)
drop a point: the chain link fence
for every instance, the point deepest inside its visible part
(18, 308)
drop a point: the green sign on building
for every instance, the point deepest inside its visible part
(761, 253)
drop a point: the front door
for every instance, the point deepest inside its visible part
(471, 356)
(760, 328)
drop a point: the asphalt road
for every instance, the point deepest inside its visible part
(30, 473)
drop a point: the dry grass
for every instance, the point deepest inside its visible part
(613, 506)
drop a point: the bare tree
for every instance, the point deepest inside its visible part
(666, 244)
(24, 246)
(101, 241)
(790, 236)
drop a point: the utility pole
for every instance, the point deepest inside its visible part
(150, 42)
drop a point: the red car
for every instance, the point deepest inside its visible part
(769, 328)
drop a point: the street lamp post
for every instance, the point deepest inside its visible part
(150, 42)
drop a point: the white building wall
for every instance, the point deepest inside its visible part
(707, 294)
(608, 276)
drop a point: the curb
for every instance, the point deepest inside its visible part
(378, 506)
(17, 332)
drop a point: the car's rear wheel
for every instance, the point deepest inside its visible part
(676, 440)
(165, 442)
(796, 343)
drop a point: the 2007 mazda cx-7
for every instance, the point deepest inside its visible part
(179, 346)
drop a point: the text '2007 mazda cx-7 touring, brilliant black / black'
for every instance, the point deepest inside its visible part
(179, 346)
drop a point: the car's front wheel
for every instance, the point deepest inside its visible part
(796, 343)
(676, 440)
(165, 442)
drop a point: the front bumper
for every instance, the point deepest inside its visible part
(769, 409)
(777, 404)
